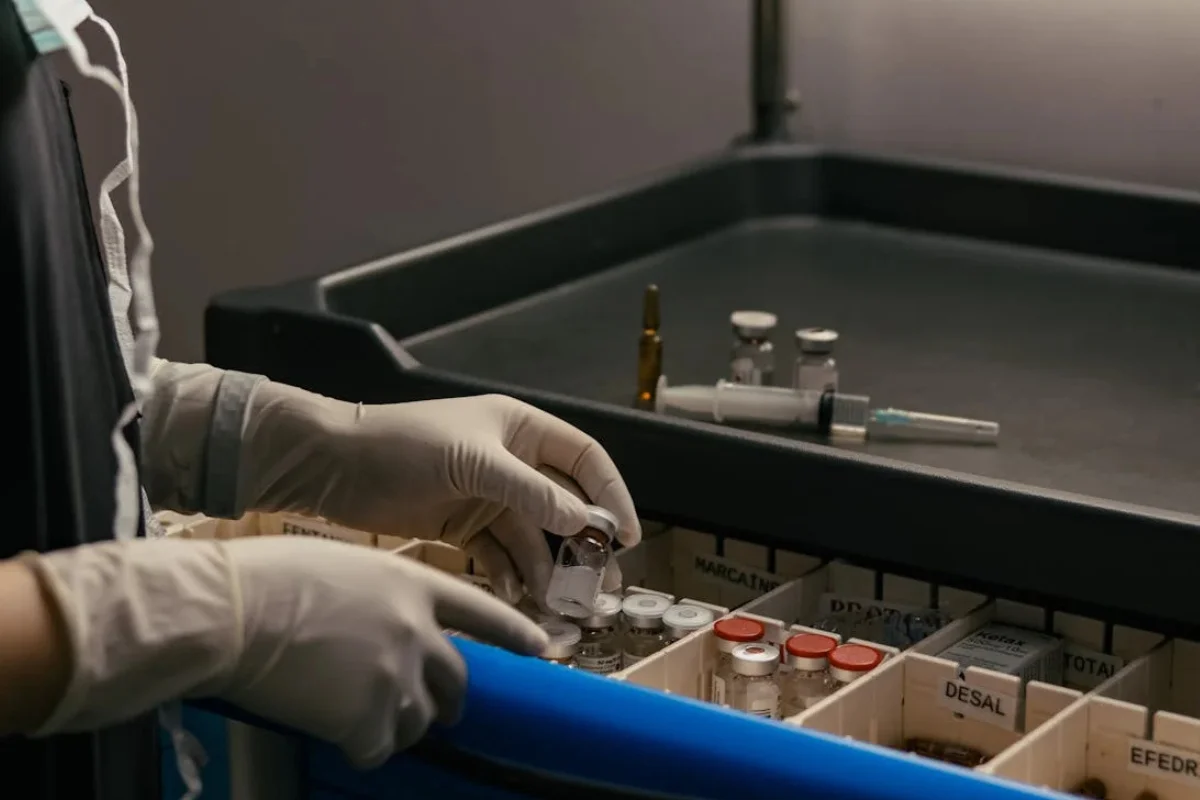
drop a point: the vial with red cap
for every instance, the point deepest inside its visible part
(729, 633)
(849, 662)
(804, 683)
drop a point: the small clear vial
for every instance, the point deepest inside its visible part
(753, 358)
(683, 618)
(582, 560)
(644, 634)
(754, 688)
(803, 684)
(848, 663)
(729, 633)
(815, 366)
(600, 647)
(564, 641)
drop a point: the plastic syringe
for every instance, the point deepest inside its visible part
(823, 412)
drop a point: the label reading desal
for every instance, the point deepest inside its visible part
(834, 603)
(1164, 761)
(1087, 669)
(721, 570)
(985, 705)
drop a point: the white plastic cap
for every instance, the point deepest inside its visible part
(645, 610)
(753, 323)
(564, 638)
(683, 618)
(604, 613)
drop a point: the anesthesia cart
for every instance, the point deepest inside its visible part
(1065, 309)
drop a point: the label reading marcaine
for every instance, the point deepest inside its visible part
(721, 570)
(1163, 761)
(1087, 669)
(985, 705)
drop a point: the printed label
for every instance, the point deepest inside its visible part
(743, 370)
(770, 711)
(718, 690)
(834, 603)
(1164, 761)
(600, 664)
(716, 569)
(290, 526)
(1087, 669)
(984, 705)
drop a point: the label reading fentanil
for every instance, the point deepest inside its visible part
(1164, 761)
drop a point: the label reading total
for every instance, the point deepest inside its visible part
(985, 705)
(1087, 669)
(1164, 761)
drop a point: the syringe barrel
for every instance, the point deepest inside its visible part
(766, 405)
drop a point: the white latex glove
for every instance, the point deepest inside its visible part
(464, 471)
(335, 640)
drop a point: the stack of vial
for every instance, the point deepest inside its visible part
(748, 674)
(752, 360)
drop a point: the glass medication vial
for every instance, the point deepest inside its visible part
(582, 560)
(600, 647)
(815, 366)
(753, 358)
(681, 619)
(729, 633)
(564, 642)
(644, 635)
(848, 663)
(753, 687)
(804, 683)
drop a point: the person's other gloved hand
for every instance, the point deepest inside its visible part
(338, 641)
(465, 471)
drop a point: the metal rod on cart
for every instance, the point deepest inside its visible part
(771, 103)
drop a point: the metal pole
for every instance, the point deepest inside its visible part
(770, 98)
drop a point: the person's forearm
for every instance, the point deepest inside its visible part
(35, 661)
(191, 437)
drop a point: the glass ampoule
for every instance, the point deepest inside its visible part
(729, 633)
(815, 366)
(644, 631)
(564, 641)
(754, 687)
(752, 360)
(582, 560)
(804, 683)
(849, 662)
(600, 645)
(650, 350)
(683, 618)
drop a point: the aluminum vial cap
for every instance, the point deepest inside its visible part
(752, 324)
(605, 613)
(732, 631)
(602, 520)
(755, 659)
(564, 638)
(645, 610)
(850, 661)
(681, 619)
(817, 341)
(809, 651)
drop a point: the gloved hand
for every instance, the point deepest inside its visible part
(464, 471)
(341, 642)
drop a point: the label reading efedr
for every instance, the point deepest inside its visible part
(985, 705)
(1087, 669)
(1164, 761)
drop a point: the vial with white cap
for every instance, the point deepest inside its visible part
(815, 365)
(600, 647)
(754, 688)
(728, 634)
(564, 642)
(753, 358)
(644, 632)
(683, 618)
(582, 561)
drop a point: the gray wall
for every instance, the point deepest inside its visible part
(279, 143)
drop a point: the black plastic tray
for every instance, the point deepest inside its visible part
(1067, 310)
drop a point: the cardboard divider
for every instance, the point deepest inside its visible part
(1137, 732)
(917, 696)
(257, 524)
(718, 570)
